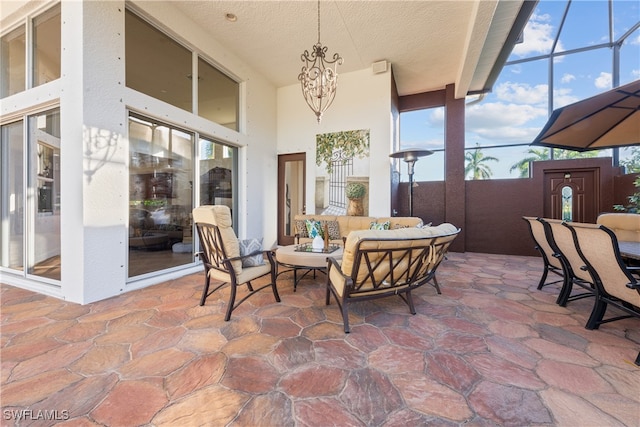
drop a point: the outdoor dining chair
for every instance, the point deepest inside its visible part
(220, 255)
(613, 281)
(561, 241)
(549, 257)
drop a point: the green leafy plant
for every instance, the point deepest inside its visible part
(350, 144)
(634, 200)
(355, 190)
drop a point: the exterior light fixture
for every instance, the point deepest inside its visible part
(411, 157)
(319, 77)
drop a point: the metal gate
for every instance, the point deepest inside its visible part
(341, 168)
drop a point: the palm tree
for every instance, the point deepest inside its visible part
(543, 154)
(476, 163)
(523, 165)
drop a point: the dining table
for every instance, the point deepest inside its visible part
(629, 250)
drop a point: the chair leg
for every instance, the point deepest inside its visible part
(206, 289)
(565, 292)
(435, 285)
(410, 302)
(543, 278)
(345, 316)
(232, 301)
(599, 307)
(274, 288)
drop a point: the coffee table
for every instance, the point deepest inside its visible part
(291, 257)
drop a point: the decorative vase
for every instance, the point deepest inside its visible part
(317, 243)
(355, 207)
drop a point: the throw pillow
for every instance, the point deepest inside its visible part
(379, 225)
(314, 228)
(334, 229)
(399, 226)
(301, 228)
(248, 247)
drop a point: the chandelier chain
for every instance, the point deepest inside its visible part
(318, 21)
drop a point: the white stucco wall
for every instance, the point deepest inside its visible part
(363, 101)
(94, 104)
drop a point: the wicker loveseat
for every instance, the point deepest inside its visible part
(341, 225)
(377, 264)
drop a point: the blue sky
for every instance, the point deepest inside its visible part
(517, 108)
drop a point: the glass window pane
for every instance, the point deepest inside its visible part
(44, 171)
(218, 171)
(567, 203)
(12, 202)
(515, 111)
(541, 30)
(630, 58)
(424, 130)
(160, 196)
(218, 96)
(157, 65)
(573, 34)
(46, 49)
(626, 14)
(13, 62)
(581, 75)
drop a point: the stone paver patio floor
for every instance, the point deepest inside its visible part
(491, 350)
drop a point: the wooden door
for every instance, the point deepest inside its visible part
(291, 194)
(572, 195)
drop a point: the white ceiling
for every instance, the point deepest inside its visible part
(429, 43)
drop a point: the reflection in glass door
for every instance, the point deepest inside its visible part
(291, 194)
(160, 196)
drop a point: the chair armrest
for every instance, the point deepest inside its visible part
(331, 262)
(268, 253)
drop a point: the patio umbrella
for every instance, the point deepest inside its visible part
(610, 119)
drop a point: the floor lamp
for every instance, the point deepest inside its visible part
(410, 156)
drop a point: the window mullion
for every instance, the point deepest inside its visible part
(29, 41)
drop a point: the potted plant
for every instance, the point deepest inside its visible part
(355, 192)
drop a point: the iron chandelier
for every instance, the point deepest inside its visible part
(319, 77)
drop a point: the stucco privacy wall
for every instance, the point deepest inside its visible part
(94, 146)
(363, 101)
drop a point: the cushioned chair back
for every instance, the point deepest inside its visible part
(598, 247)
(220, 217)
(376, 258)
(563, 239)
(626, 226)
(537, 233)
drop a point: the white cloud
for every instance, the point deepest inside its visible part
(603, 81)
(501, 122)
(636, 73)
(562, 97)
(537, 37)
(522, 93)
(566, 78)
